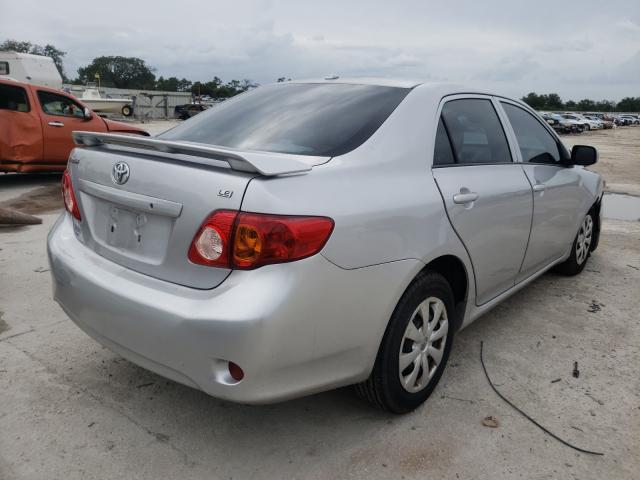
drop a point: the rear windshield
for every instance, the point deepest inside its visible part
(303, 119)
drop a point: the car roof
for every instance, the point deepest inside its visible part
(439, 88)
(380, 81)
(18, 83)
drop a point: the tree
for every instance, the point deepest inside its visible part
(554, 102)
(629, 104)
(216, 89)
(534, 100)
(16, 46)
(119, 72)
(586, 105)
(172, 84)
(605, 106)
(48, 50)
(247, 84)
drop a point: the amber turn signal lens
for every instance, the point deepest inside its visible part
(262, 239)
(248, 244)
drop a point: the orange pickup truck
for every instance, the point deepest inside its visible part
(36, 124)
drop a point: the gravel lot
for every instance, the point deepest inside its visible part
(70, 409)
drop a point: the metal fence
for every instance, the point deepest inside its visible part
(147, 104)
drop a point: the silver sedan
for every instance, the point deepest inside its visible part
(310, 235)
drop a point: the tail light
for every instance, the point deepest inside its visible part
(245, 241)
(68, 196)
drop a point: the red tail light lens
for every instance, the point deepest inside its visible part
(68, 196)
(250, 240)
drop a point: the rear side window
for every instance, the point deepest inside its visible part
(303, 118)
(475, 132)
(13, 98)
(4, 68)
(536, 144)
(442, 155)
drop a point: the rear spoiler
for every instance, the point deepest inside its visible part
(264, 163)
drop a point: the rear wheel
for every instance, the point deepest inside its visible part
(581, 248)
(415, 347)
(127, 111)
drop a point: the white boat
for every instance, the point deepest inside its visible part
(91, 98)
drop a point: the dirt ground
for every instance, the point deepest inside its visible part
(70, 409)
(619, 156)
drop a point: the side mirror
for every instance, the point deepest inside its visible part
(584, 155)
(86, 113)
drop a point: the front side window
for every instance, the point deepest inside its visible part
(4, 68)
(13, 98)
(536, 144)
(475, 132)
(297, 118)
(59, 105)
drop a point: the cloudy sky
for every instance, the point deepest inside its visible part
(576, 48)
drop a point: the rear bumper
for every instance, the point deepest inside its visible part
(295, 328)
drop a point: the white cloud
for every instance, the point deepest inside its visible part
(511, 47)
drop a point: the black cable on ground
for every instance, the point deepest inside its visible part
(527, 416)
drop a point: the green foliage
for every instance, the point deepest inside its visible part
(216, 89)
(629, 104)
(48, 50)
(172, 84)
(119, 72)
(552, 102)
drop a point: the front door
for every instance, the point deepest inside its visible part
(557, 193)
(487, 196)
(61, 115)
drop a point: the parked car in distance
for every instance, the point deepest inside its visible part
(586, 123)
(621, 120)
(36, 124)
(561, 124)
(260, 261)
(629, 119)
(186, 111)
(606, 124)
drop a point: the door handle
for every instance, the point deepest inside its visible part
(539, 187)
(462, 198)
(56, 124)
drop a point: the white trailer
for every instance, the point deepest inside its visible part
(35, 69)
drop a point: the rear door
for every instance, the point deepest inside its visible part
(486, 194)
(557, 193)
(61, 115)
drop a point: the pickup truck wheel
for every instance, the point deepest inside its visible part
(127, 111)
(580, 250)
(415, 347)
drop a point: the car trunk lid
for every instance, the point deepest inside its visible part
(146, 222)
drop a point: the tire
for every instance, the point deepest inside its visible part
(127, 111)
(384, 389)
(580, 249)
(587, 127)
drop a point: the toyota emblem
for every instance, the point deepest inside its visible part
(120, 173)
